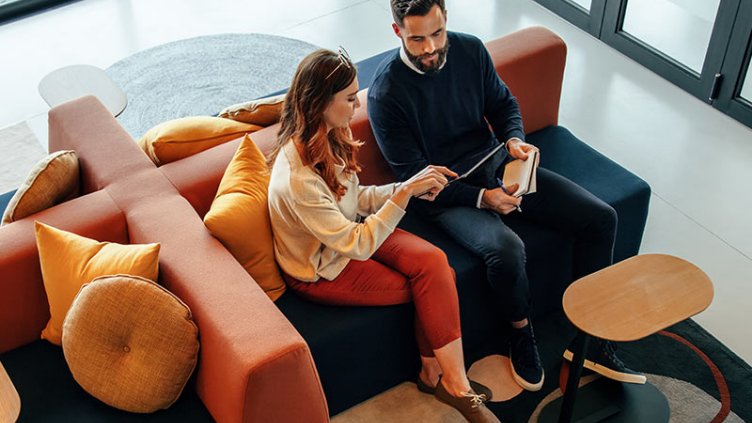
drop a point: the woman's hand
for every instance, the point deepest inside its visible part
(426, 184)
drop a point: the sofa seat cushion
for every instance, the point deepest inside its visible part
(358, 351)
(629, 195)
(49, 393)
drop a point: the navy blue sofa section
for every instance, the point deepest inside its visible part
(50, 394)
(362, 351)
(5, 199)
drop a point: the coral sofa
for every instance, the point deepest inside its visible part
(290, 360)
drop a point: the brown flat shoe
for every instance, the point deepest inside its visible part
(479, 388)
(470, 405)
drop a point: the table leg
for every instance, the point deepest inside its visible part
(573, 380)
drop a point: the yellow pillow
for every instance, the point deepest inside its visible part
(239, 217)
(130, 343)
(263, 112)
(69, 261)
(180, 138)
(53, 180)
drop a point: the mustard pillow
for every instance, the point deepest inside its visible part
(262, 112)
(130, 343)
(69, 261)
(239, 217)
(53, 180)
(180, 138)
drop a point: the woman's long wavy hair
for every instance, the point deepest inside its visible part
(319, 76)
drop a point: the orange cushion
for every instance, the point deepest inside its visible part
(239, 217)
(263, 112)
(130, 343)
(180, 138)
(53, 179)
(69, 260)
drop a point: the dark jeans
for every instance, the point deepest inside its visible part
(559, 204)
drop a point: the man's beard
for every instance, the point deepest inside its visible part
(433, 68)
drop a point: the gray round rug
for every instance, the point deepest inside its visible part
(203, 75)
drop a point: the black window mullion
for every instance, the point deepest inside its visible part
(735, 68)
(588, 21)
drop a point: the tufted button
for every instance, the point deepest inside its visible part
(126, 349)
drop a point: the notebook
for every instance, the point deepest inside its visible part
(522, 172)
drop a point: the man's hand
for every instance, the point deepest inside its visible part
(518, 149)
(499, 201)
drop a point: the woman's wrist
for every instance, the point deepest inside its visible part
(402, 195)
(404, 187)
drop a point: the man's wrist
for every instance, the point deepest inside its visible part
(511, 141)
(479, 203)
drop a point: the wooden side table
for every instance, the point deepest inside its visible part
(71, 82)
(626, 302)
(10, 403)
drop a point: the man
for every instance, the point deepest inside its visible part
(433, 103)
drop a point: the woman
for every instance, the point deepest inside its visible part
(330, 256)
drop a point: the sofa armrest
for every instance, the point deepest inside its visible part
(531, 62)
(24, 310)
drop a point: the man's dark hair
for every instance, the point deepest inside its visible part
(402, 8)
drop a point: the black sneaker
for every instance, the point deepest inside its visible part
(601, 358)
(527, 368)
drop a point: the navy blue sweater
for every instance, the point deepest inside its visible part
(442, 118)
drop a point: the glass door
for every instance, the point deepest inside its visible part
(702, 46)
(682, 40)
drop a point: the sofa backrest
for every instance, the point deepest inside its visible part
(79, 130)
(24, 310)
(531, 62)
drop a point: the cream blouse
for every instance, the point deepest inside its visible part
(315, 236)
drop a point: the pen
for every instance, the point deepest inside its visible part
(501, 184)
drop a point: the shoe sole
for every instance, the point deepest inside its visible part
(532, 387)
(607, 372)
(422, 387)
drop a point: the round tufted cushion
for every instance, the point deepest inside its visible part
(130, 343)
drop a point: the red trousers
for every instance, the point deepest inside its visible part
(405, 268)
